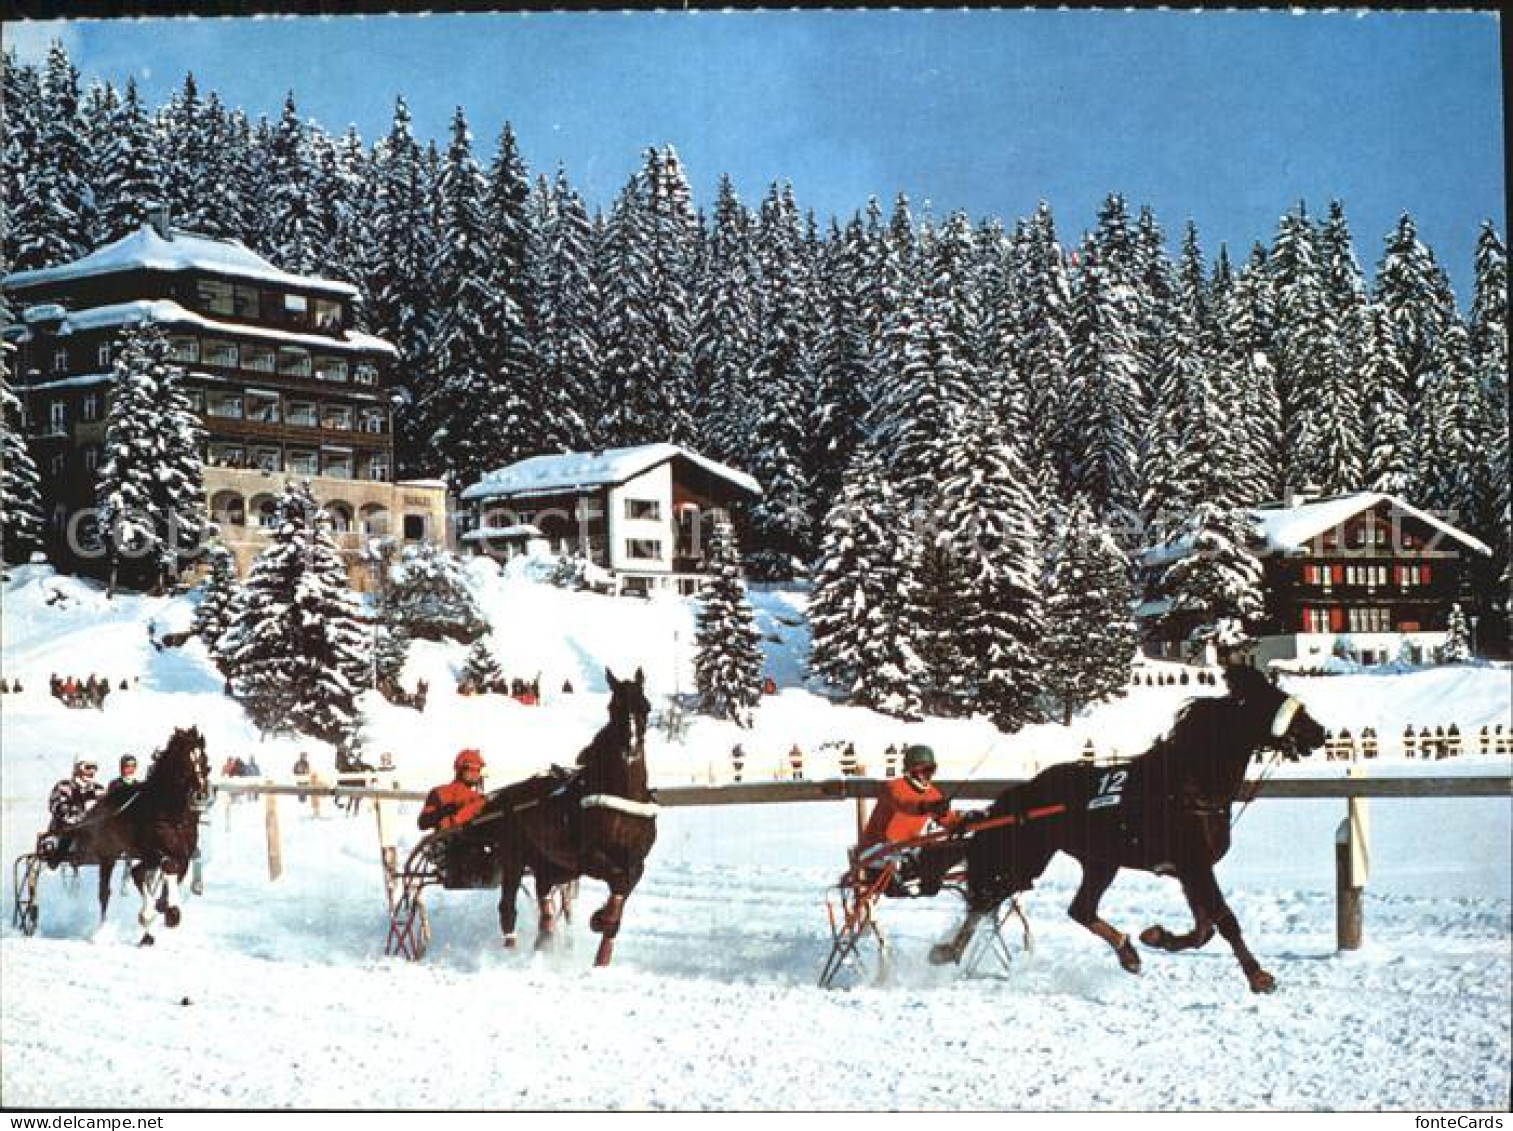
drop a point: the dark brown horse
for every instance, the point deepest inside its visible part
(1166, 811)
(156, 826)
(599, 823)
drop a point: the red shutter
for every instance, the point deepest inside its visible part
(1303, 618)
(1338, 573)
(1423, 575)
(1397, 576)
(1336, 618)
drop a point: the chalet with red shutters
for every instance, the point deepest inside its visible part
(1365, 576)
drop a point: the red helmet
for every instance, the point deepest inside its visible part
(466, 759)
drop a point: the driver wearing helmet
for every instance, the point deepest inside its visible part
(69, 803)
(909, 803)
(460, 800)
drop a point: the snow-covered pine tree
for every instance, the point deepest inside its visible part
(296, 652)
(864, 578)
(1389, 440)
(129, 180)
(428, 596)
(570, 349)
(725, 332)
(480, 670)
(1304, 338)
(1244, 335)
(1215, 580)
(728, 662)
(217, 607)
(296, 232)
(1413, 290)
(1457, 647)
(1492, 578)
(1103, 401)
(783, 371)
(844, 379)
(20, 154)
(399, 282)
(1040, 324)
(1451, 440)
(390, 652)
(1090, 638)
(20, 486)
(54, 221)
(981, 564)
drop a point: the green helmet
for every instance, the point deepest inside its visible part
(918, 756)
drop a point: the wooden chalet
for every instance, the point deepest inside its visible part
(1366, 576)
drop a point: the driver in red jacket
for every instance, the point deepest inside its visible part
(460, 800)
(903, 812)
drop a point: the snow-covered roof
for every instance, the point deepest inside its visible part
(1290, 528)
(542, 475)
(518, 530)
(168, 312)
(1283, 529)
(145, 250)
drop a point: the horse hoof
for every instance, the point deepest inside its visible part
(147, 940)
(173, 916)
(1129, 957)
(545, 941)
(943, 954)
(1157, 937)
(511, 942)
(1262, 983)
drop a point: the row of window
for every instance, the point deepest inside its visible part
(254, 357)
(1326, 577)
(268, 408)
(280, 308)
(1365, 619)
(300, 461)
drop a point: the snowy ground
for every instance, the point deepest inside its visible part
(711, 1003)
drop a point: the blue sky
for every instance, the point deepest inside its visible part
(1225, 118)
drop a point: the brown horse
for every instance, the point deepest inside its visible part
(599, 823)
(1166, 811)
(155, 825)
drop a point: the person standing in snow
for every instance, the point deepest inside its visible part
(459, 800)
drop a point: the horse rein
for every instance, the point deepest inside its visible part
(1280, 724)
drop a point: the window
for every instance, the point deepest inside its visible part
(337, 417)
(365, 373)
(60, 361)
(331, 368)
(266, 459)
(327, 315)
(216, 296)
(182, 348)
(415, 527)
(57, 464)
(91, 407)
(91, 458)
(378, 468)
(296, 310)
(196, 399)
(225, 405)
(1370, 620)
(263, 407)
(293, 362)
(338, 465)
(643, 549)
(372, 420)
(102, 356)
(267, 514)
(643, 509)
(303, 463)
(226, 455)
(301, 413)
(1412, 576)
(1315, 620)
(57, 416)
(216, 351)
(247, 303)
(259, 359)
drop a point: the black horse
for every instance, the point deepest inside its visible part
(1166, 811)
(600, 822)
(155, 825)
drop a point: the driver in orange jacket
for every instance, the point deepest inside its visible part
(909, 803)
(460, 800)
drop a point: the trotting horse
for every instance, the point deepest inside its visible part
(156, 826)
(1166, 811)
(600, 823)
